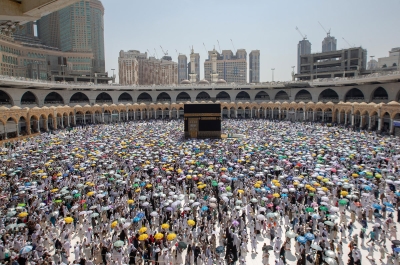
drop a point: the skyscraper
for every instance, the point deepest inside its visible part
(182, 68)
(77, 28)
(196, 58)
(254, 66)
(229, 67)
(303, 48)
(329, 43)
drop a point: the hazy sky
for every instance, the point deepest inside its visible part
(268, 26)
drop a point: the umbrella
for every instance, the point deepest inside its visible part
(171, 236)
(330, 223)
(260, 217)
(396, 242)
(301, 239)
(118, 243)
(267, 248)
(68, 220)
(25, 250)
(377, 206)
(323, 208)
(291, 234)
(159, 236)
(330, 253)
(316, 216)
(309, 209)
(309, 236)
(154, 214)
(220, 249)
(182, 245)
(330, 261)
(316, 247)
(23, 214)
(143, 237)
(142, 230)
(191, 222)
(165, 226)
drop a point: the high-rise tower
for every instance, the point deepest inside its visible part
(303, 48)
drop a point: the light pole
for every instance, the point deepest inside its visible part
(272, 69)
(113, 75)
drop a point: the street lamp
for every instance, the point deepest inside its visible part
(273, 69)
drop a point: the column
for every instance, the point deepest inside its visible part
(93, 117)
(38, 125)
(127, 115)
(134, 115)
(279, 115)
(251, 113)
(84, 118)
(352, 119)
(141, 115)
(102, 117)
(265, 113)
(62, 121)
(295, 115)
(304, 115)
(361, 121)
(46, 125)
(272, 114)
(338, 118)
(148, 116)
(55, 124)
(170, 114)
(313, 115)
(323, 116)
(17, 129)
(345, 118)
(119, 116)
(369, 123)
(391, 126)
(5, 131)
(28, 126)
(235, 113)
(379, 124)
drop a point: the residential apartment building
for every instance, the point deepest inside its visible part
(182, 68)
(128, 66)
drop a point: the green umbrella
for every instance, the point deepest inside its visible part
(111, 179)
(214, 184)
(182, 245)
(119, 243)
(58, 201)
(311, 194)
(135, 185)
(77, 195)
(323, 208)
(21, 204)
(343, 202)
(309, 209)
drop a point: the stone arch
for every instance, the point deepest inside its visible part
(104, 97)
(183, 97)
(262, 95)
(125, 97)
(164, 97)
(203, 96)
(144, 97)
(354, 95)
(29, 98)
(79, 97)
(54, 98)
(328, 95)
(303, 95)
(242, 95)
(281, 95)
(223, 96)
(5, 98)
(379, 95)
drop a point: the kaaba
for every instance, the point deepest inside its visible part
(202, 120)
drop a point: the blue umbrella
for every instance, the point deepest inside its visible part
(142, 184)
(316, 216)
(376, 206)
(25, 250)
(368, 188)
(396, 249)
(283, 195)
(136, 219)
(301, 239)
(309, 236)
(140, 215)
(388, 204)
(204, 208)
(220, 249)
(390, 210)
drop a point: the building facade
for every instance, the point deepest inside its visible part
(196, 58)
(254, 66)
(342, 63)
(182, 68)
(303, 48)
(230, 67)
(77, 28)
(128, 67)
(392, 61)
(329, 44)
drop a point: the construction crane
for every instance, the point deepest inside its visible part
(156, 53)
(219, 47)
(234, 50)
(348, 43)
(328, 33)
(165, 53)
(177, 53)
(304, 36)
(150, 53)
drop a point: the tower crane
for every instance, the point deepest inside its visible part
(348, 43)
(165, 53)
(177, 53)
(156, 53)
(301, 34)
(328, 33)
(150, 53)
(219, 47)
(234, 50)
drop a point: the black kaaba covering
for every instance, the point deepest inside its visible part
(208, 117)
